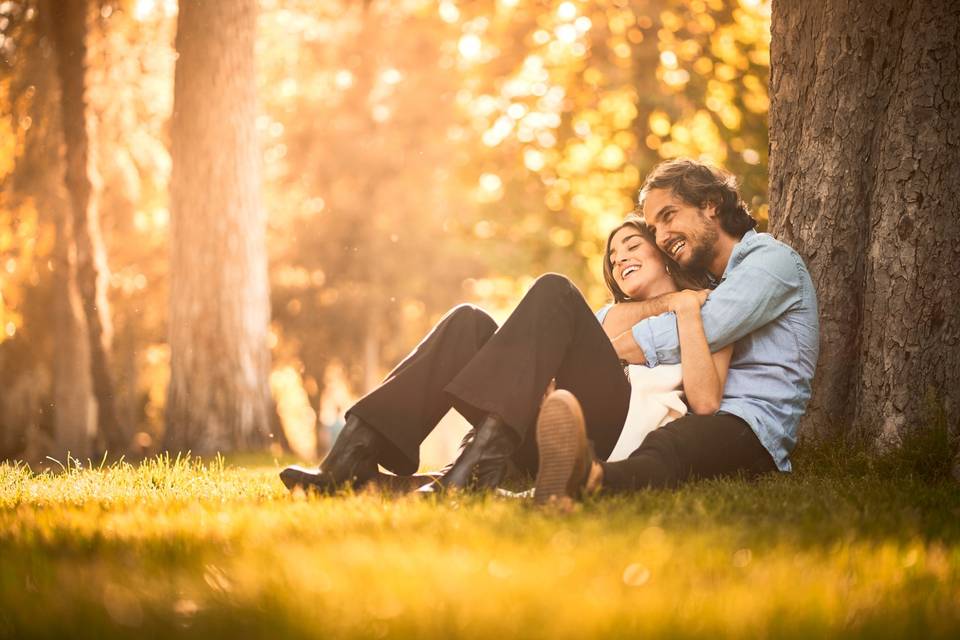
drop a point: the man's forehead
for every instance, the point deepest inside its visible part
(653, 201)
(658, 199)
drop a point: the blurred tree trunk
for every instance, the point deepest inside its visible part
(865, 184)
(219, 394)
(74, 407)
(69, 29)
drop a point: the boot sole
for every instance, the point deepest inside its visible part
(562, 442)
(293, 478)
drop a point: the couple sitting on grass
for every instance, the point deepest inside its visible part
(717, 379)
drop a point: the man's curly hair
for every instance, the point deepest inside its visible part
(700, 184)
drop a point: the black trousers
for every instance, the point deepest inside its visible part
(468, 363)
(689, 448)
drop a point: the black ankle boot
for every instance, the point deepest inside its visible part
(483, 462)
(351, 462)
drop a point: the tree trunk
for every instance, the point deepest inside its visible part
(865, 184)
(69, 35)
(74, 415)
(219, 394)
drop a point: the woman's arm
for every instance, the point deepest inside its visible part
(704, 374)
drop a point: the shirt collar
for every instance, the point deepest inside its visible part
(733, 254)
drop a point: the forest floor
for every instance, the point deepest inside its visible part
(221, 550)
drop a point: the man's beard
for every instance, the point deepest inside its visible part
(702, 246)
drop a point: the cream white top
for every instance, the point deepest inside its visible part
(654, 392)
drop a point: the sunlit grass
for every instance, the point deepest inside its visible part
(214, 550)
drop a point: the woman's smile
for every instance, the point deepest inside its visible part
(629, 270)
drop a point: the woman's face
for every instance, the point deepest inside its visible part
(637, 265)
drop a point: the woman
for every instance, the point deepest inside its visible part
(656, 397)
(496, 378)
(635, 270)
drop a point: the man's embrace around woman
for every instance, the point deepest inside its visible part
(744, 362)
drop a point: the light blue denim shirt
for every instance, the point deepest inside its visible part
(765, 303)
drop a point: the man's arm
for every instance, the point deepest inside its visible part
(622, 316)
(758, 290)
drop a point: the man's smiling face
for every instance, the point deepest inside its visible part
(685, 233)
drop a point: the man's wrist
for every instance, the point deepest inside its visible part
(687, 312)
(627, 314)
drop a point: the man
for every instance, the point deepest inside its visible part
(763, 301)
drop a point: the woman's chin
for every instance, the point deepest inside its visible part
(634, 293)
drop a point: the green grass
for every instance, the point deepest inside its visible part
(184, 549)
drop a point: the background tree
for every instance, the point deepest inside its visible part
(29, 147)
(865, 183)
(219, 396)
(69, 30)
(73, 405)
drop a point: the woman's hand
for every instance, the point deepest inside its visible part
(627, 349)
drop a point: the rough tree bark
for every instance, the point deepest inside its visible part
(219, 394)
(865, 184)
(69, 29)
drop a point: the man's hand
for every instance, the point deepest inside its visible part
(627, 348)
(619, 321)
(687, 301)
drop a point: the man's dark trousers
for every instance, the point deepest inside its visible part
(690, 448)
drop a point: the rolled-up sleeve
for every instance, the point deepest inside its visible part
(757, 289)
(653, 334)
